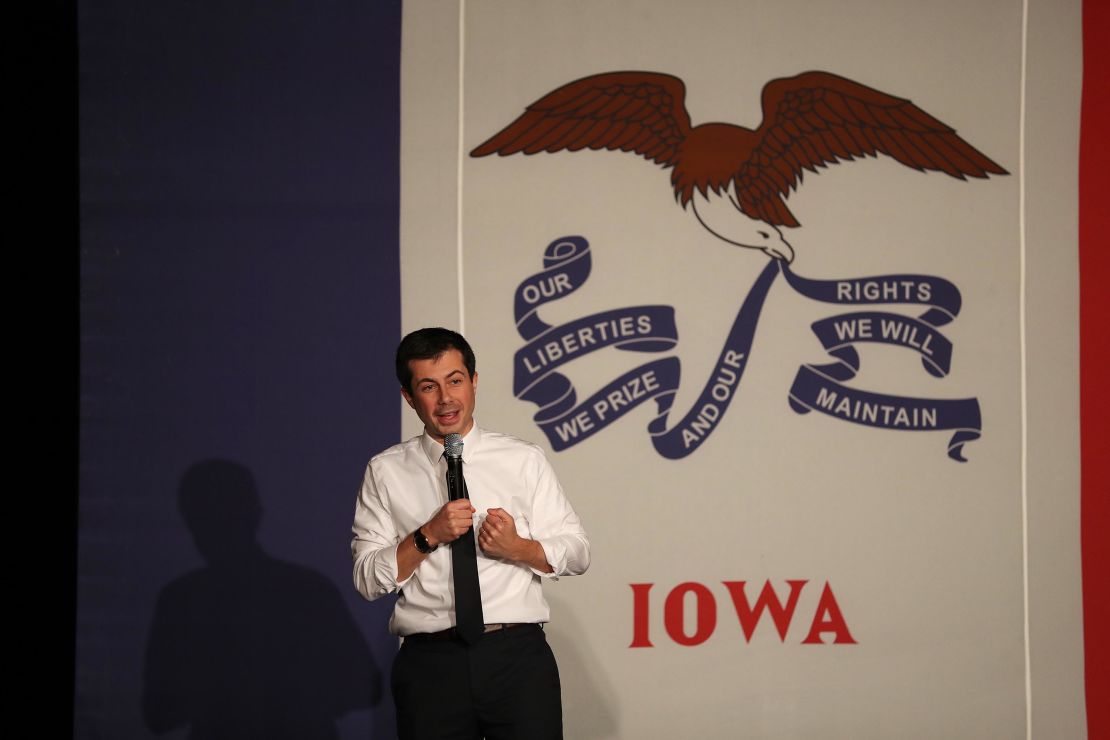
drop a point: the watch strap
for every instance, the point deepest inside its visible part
(421, 542)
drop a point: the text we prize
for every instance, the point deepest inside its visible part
(697, 600)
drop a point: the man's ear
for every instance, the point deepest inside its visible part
(474, 380)
(407, 396)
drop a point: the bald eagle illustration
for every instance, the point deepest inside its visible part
(737, 179)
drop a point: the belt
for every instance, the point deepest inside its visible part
(452, 633)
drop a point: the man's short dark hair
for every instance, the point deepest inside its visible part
(427, 344)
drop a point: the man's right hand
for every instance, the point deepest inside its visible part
(450, 522)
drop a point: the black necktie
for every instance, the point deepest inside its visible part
(464, 560)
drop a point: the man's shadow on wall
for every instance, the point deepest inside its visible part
(249, 646)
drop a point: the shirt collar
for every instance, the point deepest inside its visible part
(434, 450)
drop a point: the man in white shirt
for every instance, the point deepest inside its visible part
(506, 683)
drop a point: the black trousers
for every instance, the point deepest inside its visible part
(504, 687)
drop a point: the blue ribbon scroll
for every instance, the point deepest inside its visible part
(651, 328)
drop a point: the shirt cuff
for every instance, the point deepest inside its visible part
(385, 572)
(556, 554)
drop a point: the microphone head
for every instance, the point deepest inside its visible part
(453, 445)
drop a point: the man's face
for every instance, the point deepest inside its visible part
(442, 394)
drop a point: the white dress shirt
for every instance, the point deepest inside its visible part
(406, 485)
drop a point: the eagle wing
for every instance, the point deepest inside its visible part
(818, 118)
(641, 112)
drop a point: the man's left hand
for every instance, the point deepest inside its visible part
(498, 537)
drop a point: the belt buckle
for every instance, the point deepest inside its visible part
(503, 626)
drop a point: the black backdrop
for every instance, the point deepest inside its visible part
(239, 304)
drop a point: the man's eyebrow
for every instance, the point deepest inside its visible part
(451, 374)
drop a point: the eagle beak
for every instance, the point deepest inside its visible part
(781, 251)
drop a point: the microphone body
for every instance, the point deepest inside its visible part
(456, 483)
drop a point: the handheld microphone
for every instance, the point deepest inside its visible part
(452, 450)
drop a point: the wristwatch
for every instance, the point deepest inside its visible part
(421, 542)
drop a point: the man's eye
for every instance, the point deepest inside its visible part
(427, 388)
